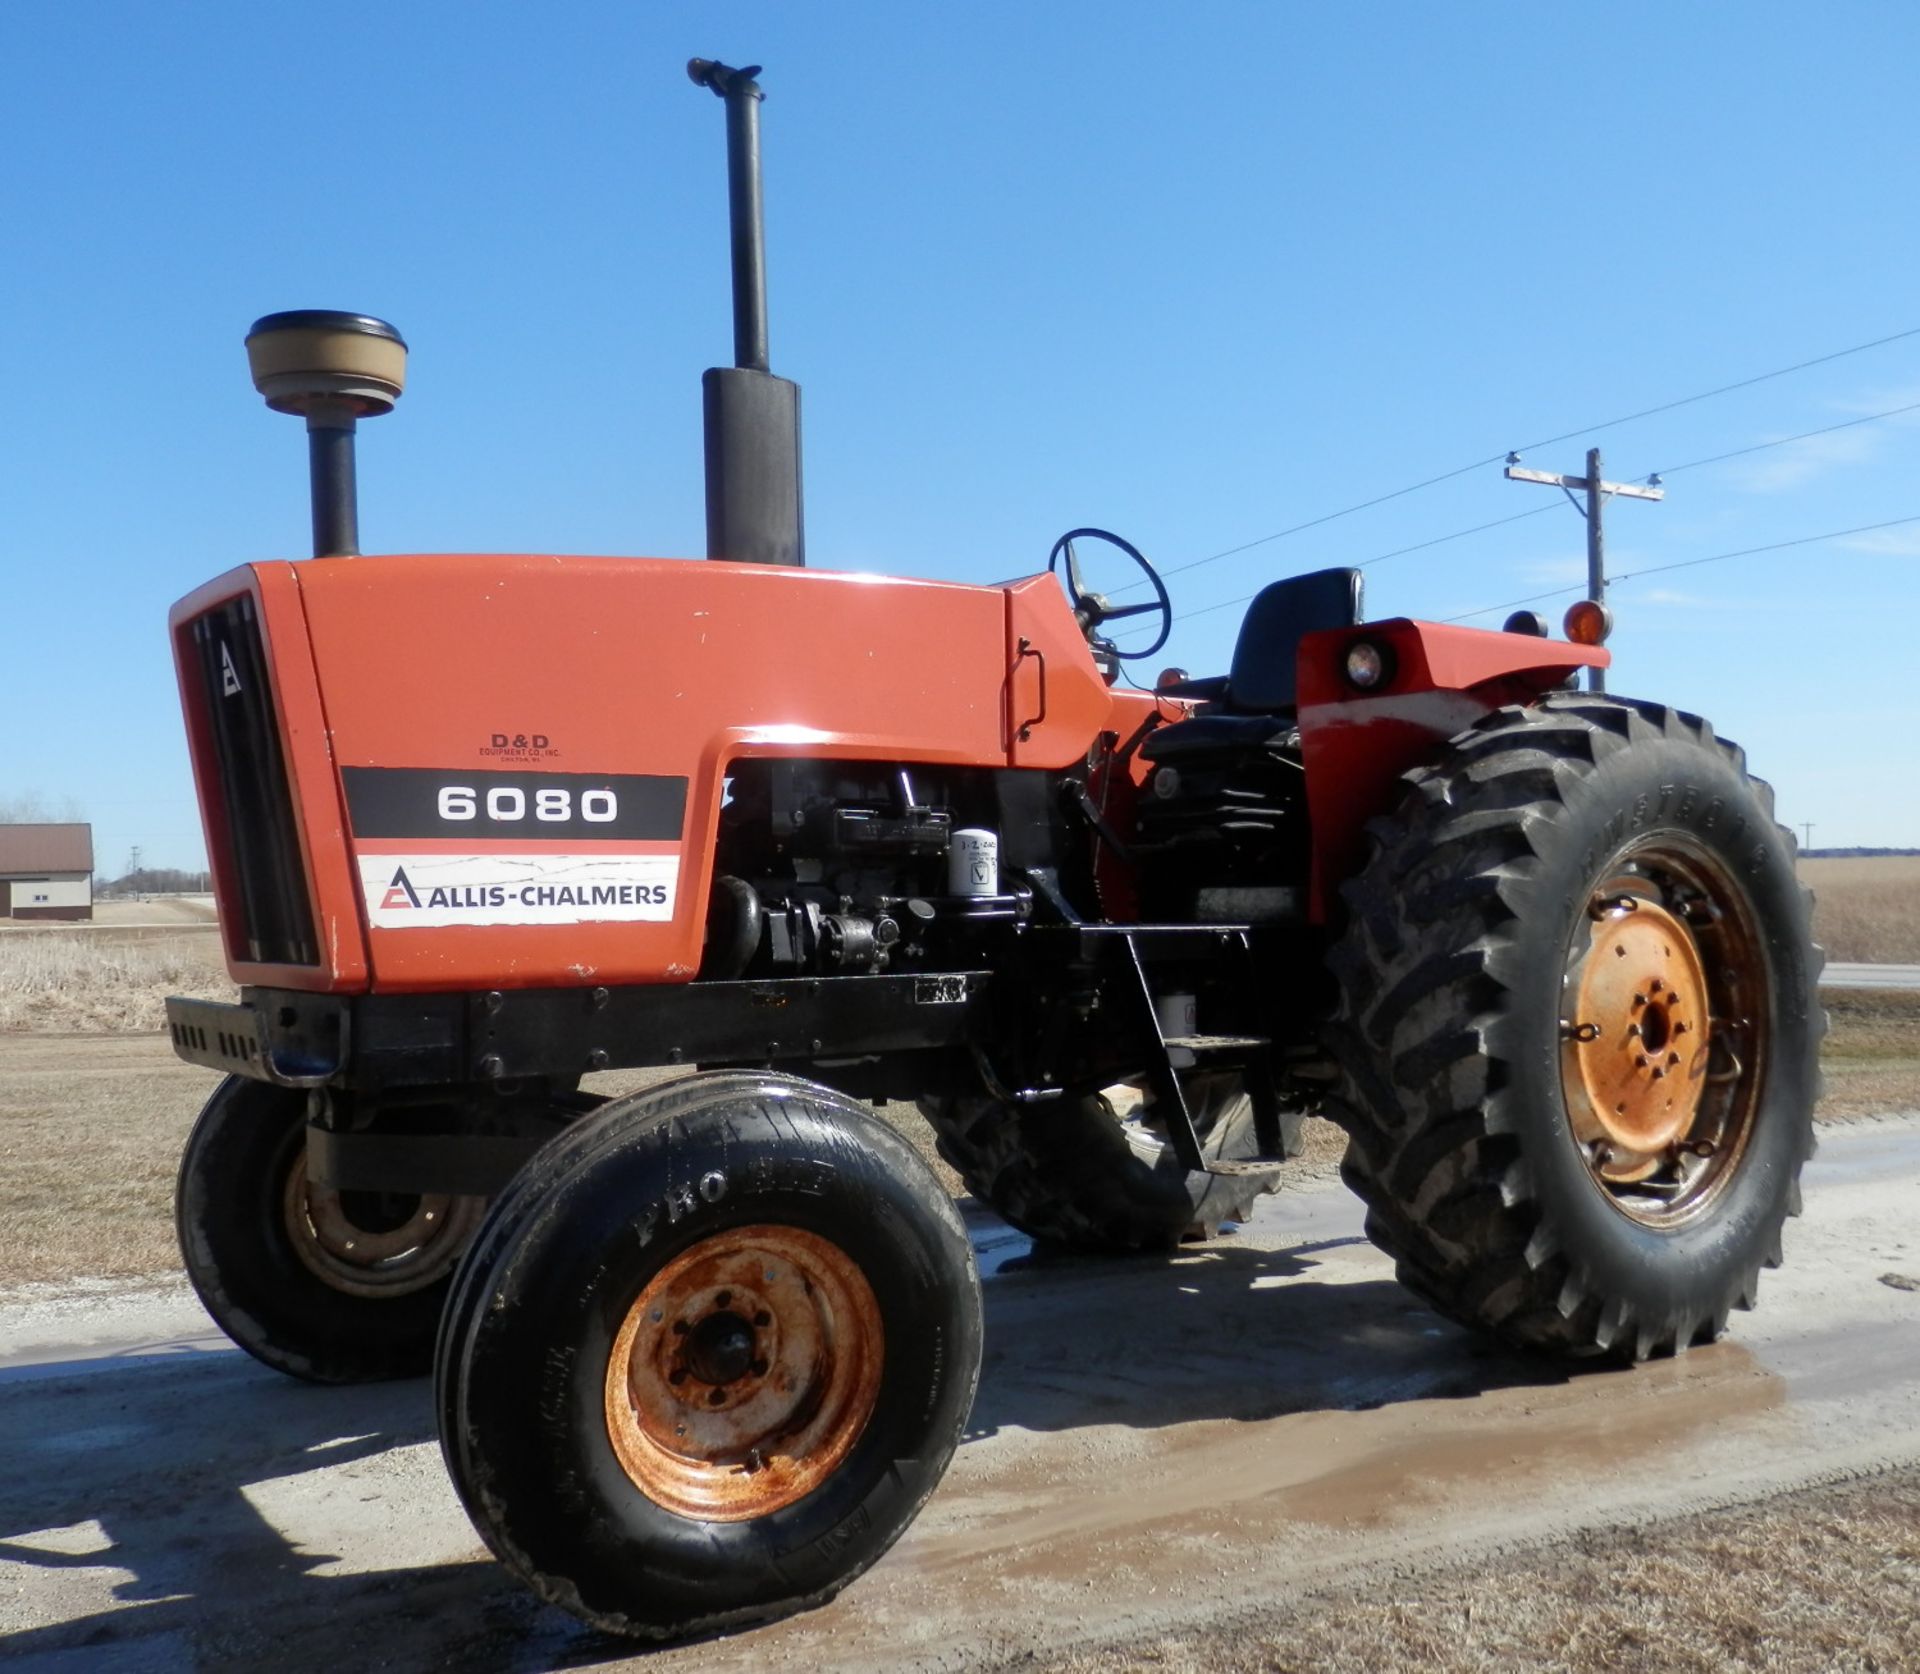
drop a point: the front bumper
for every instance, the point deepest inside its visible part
(372, 1041)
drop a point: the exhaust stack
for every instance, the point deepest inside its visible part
(333, 370)
(752, 417)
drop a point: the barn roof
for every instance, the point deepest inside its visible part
(45, 848)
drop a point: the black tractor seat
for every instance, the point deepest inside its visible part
(1253, 703)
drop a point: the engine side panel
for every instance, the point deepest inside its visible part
(1355, 745)
(509, 770)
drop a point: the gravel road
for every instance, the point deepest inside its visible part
(1156, 1445)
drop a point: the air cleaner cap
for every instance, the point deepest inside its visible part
(312, 360)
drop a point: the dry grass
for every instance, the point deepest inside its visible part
(102, 981)
(1871, 1060)
(91, 1130)
(1868, 909)
(1811, 1583)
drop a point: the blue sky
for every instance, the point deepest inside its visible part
(1194, 273)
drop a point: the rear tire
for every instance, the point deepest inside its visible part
(1072, 1172)
(661, 1482)
(327, 1286)
(1577, 1163)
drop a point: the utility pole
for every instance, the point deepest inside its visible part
(1807, 827)
(1597, 492)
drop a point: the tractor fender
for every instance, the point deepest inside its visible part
(1438, 680)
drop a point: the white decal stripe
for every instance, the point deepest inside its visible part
(432, 891)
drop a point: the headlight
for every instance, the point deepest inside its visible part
(1368, 665)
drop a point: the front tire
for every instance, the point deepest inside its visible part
(1578, 1029)
(332, 1287)
(709, 1360)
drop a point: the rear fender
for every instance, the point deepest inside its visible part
(1356, 744)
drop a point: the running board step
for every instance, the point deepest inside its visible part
(1201, 1045)
(1232, 1189)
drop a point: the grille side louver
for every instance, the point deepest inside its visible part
(269, 880)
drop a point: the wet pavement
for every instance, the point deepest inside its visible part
(1155, 1443)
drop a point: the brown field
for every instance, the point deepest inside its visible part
(1867, 910)
(1809, 1583)
(105, 978)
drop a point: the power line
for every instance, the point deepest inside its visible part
(1691, 563)
(1805, 435)
(1545, 441)
(1382, 557)
(1667, 471)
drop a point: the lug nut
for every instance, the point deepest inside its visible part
(763, 1319)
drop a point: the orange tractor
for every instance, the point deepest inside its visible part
(482, 826)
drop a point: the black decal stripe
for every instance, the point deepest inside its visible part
(405, 802)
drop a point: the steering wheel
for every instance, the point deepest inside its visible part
(1092, 609)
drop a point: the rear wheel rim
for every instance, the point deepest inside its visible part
(744, 1373)
(1663, 1030)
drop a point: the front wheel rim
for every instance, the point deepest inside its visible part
(744, 1373)
(1664, 1036)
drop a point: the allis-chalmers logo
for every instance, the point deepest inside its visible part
(401, 893)
(402, 896)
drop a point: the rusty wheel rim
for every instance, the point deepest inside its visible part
(744, 1373)
(1663, 1032)
(375, 1243)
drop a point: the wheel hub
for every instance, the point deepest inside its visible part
(744, 1372)
(720, 1349)
(1639, 1037)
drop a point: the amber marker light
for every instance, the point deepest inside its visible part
(1588, 622)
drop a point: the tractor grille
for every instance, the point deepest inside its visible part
(267, 881)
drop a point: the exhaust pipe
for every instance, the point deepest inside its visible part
(752, 417)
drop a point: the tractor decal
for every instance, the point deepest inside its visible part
(419, 891)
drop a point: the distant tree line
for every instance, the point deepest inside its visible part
(155, 880)
(31, 808)
(1851, 854)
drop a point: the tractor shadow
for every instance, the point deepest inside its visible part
(1225, 1330)
(202, 1512)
